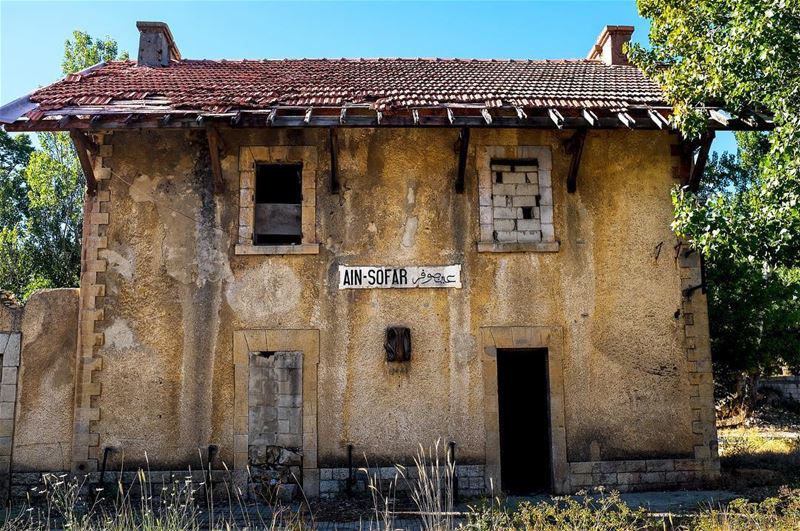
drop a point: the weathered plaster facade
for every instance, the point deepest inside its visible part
(171, 295)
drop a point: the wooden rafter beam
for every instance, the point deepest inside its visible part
(699, 165)
(574, 146)
(590, 116)
(721, 116)
(626, 119)
(657, 119)
(214, 148)
(463, 150)
(557, 117)
(85, 146)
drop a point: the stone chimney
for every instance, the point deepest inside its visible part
(156, 45)
(608, 47)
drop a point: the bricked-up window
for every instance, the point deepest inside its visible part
(278, 204)
(522, 209)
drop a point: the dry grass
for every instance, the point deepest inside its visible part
(754, 457)
(184, 504)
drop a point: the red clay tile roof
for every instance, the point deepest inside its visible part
(384, 84)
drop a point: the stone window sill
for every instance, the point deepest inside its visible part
(532, 247)
(303, 248)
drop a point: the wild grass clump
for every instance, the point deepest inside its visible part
(604, 512)
(776, 514)
(429, 484)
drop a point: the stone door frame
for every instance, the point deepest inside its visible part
(257, 340)
(525, 337)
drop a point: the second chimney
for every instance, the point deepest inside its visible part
(156, 45)
(608, 47)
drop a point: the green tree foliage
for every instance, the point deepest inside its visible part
(754, 306)
(41, 194)
(14, 153)
(740, 54)
(83, 51)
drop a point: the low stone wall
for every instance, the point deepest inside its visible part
(649, 474)
(789, 386)
(333, 481)
(157, 482)
(45, 397)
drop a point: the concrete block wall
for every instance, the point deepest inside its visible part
(275, 417)
(276, 400)
(522, 203)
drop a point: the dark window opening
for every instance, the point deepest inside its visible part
(538, 199)
(527, 212)
(514, 163)
(279, 195)
(498, 177)
(522, 393)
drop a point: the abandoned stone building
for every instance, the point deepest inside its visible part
(293, 264)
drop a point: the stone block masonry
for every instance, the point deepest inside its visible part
(333, 481)
(10, 350)
(788, 386)
(694, 309)
(645, 474)
(85, 439)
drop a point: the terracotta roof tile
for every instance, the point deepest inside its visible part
(220, 86)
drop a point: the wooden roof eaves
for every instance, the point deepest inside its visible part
(117, 116)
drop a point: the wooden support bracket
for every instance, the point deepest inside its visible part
(85, 146)
(333, 145)
(574, 146)
(463, 150)
(214, 148)
(699, 165)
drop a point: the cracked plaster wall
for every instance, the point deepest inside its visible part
(175, 292)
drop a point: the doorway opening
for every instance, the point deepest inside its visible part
(524, 411)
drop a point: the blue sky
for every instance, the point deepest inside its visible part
(32, 33)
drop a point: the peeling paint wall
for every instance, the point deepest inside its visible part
(175, 292)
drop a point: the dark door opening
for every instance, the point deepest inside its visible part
(522, 393)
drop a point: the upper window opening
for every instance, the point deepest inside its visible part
(278, 200)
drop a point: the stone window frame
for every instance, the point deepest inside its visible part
(485, 154)
(525, 337)
(276, 340)
(249, 156)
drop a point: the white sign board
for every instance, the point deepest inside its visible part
(371, 277)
